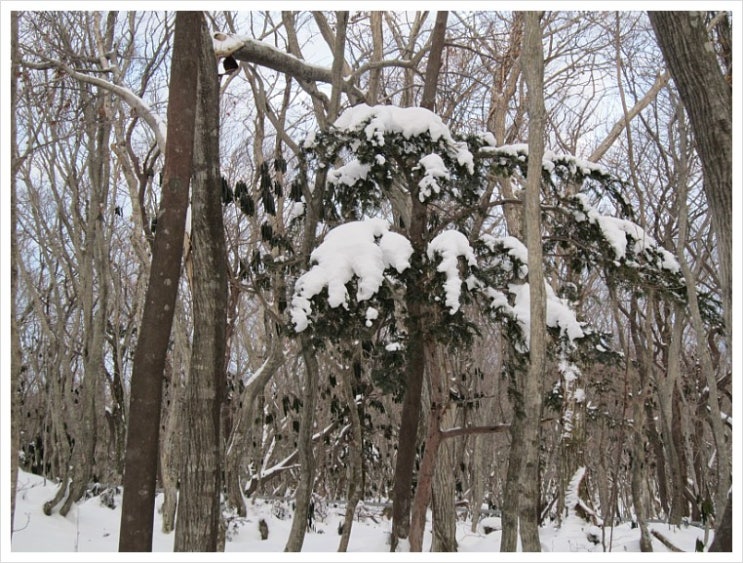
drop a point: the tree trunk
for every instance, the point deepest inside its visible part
(149, 359)
(245, 416)
(416, 361)
(16, 357)
(303, 495)
(723, 534)
(511, 492)
(431, 444)
(171, 448)
(442, 491)
(533, 68)
(356, 465)
(686, 47)
(199, 506)
(94, 280)
(639, 474)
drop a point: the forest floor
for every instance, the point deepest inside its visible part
(91, 526)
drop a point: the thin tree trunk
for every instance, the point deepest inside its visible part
(444, 525)
(246, 414)
(511, 493)
(639, 475)
(303, 495)
(16, 357)
(149, 359)
(432, 441)
(724, 452)
(94, 280)
(533, 68)
(356, 465)
(375, 74)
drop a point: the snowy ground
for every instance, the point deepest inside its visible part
(93, 527)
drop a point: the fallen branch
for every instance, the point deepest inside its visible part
(665, 541)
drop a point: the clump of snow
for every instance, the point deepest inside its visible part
(361, 249)
(513, 247)
(226, 44)
(572, 499)
(294, 210)
(450, 245)
(488, 139)
(349, 174)
(371, 315)
(310, 141)
(620, 232)
(434, 168)
(558, 314)
(550, 160)
(376, 121)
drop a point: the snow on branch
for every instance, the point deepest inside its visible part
(359, 249)
(152, 119)
(450, 245)
(378, 121)
(624, 237)
(550, 160)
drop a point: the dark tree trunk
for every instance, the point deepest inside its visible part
(724, 533)
(416, 362)
(199, 507)
(140, 469)
(707, 96)
(356, 469)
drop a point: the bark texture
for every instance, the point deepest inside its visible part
(707, 96)
(533, 68)
(199, 506)
(416, 361)
(140, 469)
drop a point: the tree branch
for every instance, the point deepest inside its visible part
(153, 120)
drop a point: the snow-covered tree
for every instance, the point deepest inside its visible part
(372, 269)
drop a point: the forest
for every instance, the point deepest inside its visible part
(452, 273)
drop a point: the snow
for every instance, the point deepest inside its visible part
(558, 314)
(617, 230)
(449, 246)
(435, 168)
(226, 44)
(376, 121)
(371, 315)
(520, 152)
(349, 174)
(361, 249)
(92, 527)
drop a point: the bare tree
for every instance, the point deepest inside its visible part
(533, 68)
(15, 343)
(149, 360)
(199, 507)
